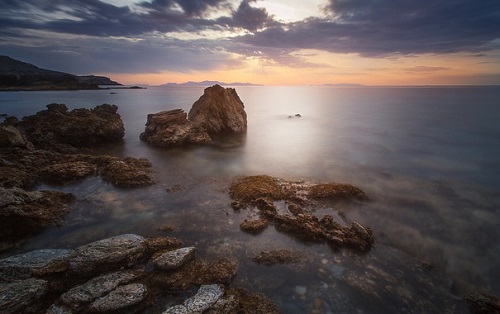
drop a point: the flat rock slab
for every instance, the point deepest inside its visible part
(21, 296)
(99, 256)
(35, 263)
(174, 259)
(81, 296)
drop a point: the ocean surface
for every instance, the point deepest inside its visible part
(429, 157)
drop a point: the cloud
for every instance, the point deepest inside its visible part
(114, 37)
(388, 27)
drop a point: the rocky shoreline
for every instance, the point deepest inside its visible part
(129, 273)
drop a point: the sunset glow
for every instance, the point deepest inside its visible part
(269, 42)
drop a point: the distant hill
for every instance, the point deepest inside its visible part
(209, 83)
(18, 75)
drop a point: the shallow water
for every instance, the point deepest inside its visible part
(428, 157)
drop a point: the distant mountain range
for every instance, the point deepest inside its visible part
(18, 75)
(208, 83)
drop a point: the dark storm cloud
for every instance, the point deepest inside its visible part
(248, 17)
(190, 7)
(385, 27)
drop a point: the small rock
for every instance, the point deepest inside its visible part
(174, 259)
(301, 291)
(254, 226)
(176, 309)
(206, 296)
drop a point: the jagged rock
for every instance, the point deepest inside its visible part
(11, 177)
(480, 303)
(23, 213)
(10, 136)
(101, 291)
(34, 264)
(174, 259)
(22, 296)
(219, 110)
(97, 257)
(171, 128)
(79, 127)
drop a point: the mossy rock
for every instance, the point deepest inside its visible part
(250, 188)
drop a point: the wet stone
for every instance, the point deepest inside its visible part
(99, 256)
(174, 259)
(22, 296)
(34, 263)
(206, 296)
(120, 299)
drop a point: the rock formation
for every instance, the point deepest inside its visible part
(78, 128)
(171, 128)
(112, 276)
(218, 111)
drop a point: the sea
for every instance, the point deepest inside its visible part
(428, 157)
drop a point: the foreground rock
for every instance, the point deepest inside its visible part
(112, 276)
(263, 192)
(218, 111)
(79, 127)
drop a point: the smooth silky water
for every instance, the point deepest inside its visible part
(428, 157)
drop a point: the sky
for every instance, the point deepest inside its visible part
(269, 42)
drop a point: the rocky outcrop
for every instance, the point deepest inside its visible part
(219, 110)
(262, 192)
(78, 127)
(114, 276)
(171, 128)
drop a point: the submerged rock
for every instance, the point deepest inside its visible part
(277, 257)
(24, 213)
(254, 226)
(219, 110)
(263, 191)
(128, 172)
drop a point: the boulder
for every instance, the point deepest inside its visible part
(100, 292)
(97, 257)
(128, 172)
(219, 110)
(24, 213)
(79, 127)
(67, 172)
(34, 264)
(123, 299)
(22, 296)
(171, 128)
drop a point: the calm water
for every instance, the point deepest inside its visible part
(429, 157)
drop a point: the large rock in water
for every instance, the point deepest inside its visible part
(171, 128)
(219, 110)
(79, 127)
